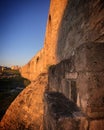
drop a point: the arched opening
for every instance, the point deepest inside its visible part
(37, 59)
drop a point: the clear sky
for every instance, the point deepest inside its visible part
(22, 30)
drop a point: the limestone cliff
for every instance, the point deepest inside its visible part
(74, 53)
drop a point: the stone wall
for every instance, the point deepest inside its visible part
(74, 98)
(70, 23)
(79, 75)
(34, 67)
(55, 15)
(47, 55)
(80, 79)
(61, 113)
(82, 21)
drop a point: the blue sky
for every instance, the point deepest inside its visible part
(22, 30)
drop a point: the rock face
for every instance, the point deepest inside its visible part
(70, 23)
(26, 112)
(80, 79)
(80, 74)
(60, 112)
(74, 53)
(82, 22)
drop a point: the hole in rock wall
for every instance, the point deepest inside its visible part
(103, 100)
(70, 90)
(73, 91)
(49, 18)
(37, 59)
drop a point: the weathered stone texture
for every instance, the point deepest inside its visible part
(90, 57)
(54, 19)
(97, 125)
(61, 113)
(91, 89)
(47, 56)
(57, 77)
(81, 69)
(81, 81)
(34, 67)
(83, 21)
(26, 112)
(74, 46)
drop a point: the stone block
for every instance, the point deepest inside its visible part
(90, 57)
(68, 124)
(97, 125)
(95, 112)
(84, 124)
(91, 89)
(54, 83)
(66, 88)
(60, 113)
(72, 75)
(57, 74)
(69, 89)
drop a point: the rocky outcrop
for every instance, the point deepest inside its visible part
(26, 112)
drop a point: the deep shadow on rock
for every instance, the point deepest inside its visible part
(59, 111)
(59, 105)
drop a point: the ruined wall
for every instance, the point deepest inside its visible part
(83, 21)
(80, 79)
(27, 110)
(70, 23)
(74, 98)
(34, 67)
(46, 56)
(80, 74)
(54, 20)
